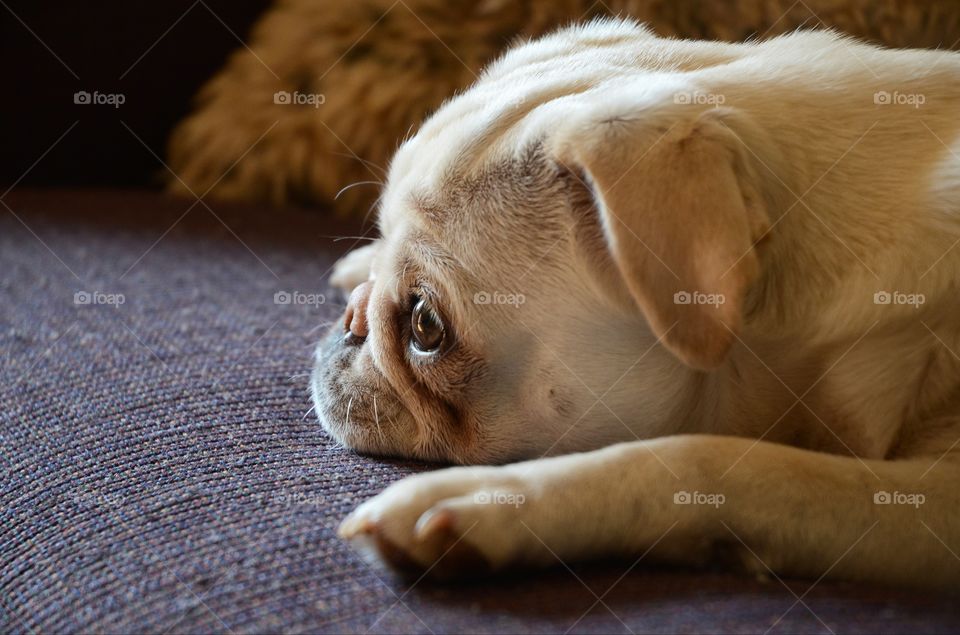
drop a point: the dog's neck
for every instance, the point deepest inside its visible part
(820, 348)
(860, 392)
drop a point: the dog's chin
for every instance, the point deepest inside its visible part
(349, 436)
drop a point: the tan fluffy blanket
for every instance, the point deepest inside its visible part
(326, 89)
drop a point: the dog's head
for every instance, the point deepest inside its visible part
(562, 254)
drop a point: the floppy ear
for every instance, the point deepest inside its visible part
(680, 220)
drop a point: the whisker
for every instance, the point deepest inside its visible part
(337, 239)
(363, 161)
(312, 408)
(405, 137)
(298, 376)
(344, 189)
(376, 417)
(321, 325)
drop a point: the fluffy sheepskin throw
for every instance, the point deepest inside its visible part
(328, 88)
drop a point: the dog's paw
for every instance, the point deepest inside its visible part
(354, 268)
(457, 522)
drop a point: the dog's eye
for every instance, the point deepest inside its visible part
(426, 327)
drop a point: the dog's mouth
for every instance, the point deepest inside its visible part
(353, 402)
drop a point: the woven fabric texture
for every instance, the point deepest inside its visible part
(159, 474)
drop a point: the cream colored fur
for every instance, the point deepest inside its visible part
(740, 271)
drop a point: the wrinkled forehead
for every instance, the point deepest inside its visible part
(481, 148)
(496, 196)
(438, 182)
(477, 181)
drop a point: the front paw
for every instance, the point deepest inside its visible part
(457, 522)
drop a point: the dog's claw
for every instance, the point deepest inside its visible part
(434, 521)
(443, 524)
(355, 525)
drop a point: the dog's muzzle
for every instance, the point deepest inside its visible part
(354, 402)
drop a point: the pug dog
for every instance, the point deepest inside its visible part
(680, 300)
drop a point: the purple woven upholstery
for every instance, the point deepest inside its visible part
(159, 475)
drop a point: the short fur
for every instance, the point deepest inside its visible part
(712, 269)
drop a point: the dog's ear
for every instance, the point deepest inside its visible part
(680, 219)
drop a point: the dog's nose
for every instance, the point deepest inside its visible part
(355, 319)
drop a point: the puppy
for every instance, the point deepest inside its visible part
(706, 294)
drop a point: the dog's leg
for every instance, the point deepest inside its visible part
(354, 268)
(784, 510)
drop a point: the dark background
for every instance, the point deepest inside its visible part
(99, 42)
